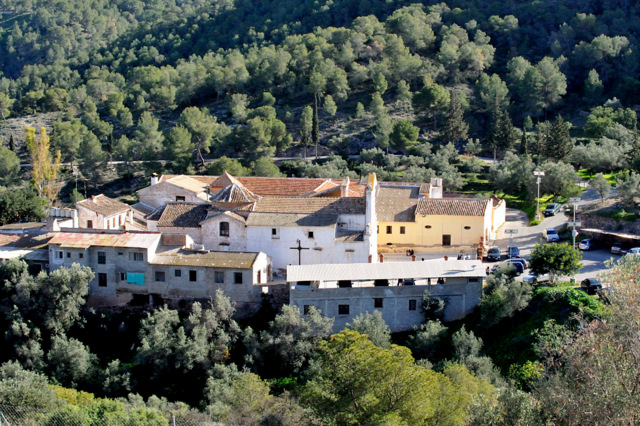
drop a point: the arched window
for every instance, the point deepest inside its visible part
(224, 229)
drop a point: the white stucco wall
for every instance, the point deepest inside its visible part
(322, 248)
(237, 239)
(165, 192)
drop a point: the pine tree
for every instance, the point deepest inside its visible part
(455, 126)
(12, 143)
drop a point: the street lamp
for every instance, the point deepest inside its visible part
(573, 224)
(537, 173)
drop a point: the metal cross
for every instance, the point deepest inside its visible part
(299, 248)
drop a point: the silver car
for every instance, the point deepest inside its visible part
(532, 278)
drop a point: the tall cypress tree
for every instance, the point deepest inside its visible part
(315, 131)
(12, 143)
(502, 136)
(455, 127)
(559, 143)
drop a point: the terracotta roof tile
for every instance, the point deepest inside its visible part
(183, 215)
(311, 205)
(103, 205)
(235, 193)
(452, 206)
(292, 219)
(105, 239)
(396, 204)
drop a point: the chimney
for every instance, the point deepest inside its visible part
(381, 257)
(413, 257)
(344, 188)
(93, 198)
(154, 179)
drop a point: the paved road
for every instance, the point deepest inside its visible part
(528, 236)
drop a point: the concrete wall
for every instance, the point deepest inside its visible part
(322, 248)
(165, 192)
(212, 240)
(118, 260)
(460, 296)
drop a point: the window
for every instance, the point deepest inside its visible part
(343, 309)
(120, 253)
(427, 227)
(193, 276)
(68, 255)
(59, 255)
(180, 198)
(178, 273)
(467, 227)
(412, 304)
(311, 235)
(473, 280)
(102, 258)
(402, 229)
(90, 224)
(237, 277)
(160, 276)
(218, 277)
(123, 276)
(446, 240)
(389, 229)
(136, 257)
(274, 233)
(102, 280)
(377, 302)
(80, 255)
(224, 229)
(305, 309)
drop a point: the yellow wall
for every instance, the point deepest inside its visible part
(430, 239)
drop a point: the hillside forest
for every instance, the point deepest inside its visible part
(96, 96)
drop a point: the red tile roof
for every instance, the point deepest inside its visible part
(452, 206)
(350, 205)
(103, 205)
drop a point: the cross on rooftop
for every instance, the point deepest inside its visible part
(299, 248)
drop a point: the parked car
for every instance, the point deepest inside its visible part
(524, 262)
(552, 209)
(532, 278)
(551, 235)
(634, 251)
(588, 244)
(618, 248)
(519, 267)
(494, 254)
(517, 264)
(513, 251)
(591, 285)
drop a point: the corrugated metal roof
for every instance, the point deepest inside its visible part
(89, 239)
(386, 270)
(207, 259)
(452, 206)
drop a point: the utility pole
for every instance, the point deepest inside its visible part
(538, 174)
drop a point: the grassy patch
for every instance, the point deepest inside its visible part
(620, 214)
(586, 175)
